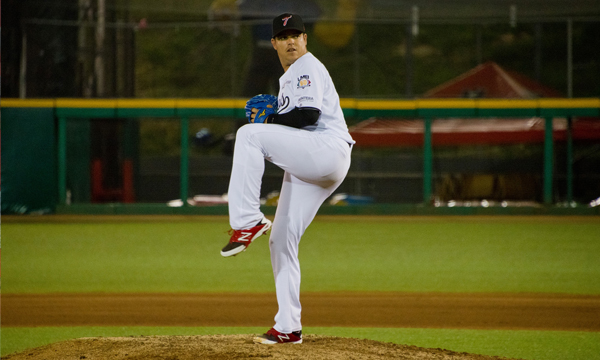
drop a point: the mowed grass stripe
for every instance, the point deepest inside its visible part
(421, 254)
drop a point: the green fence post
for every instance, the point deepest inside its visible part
(548, 160)
(62, 161)
(569, 160)
(184, 173)
(427, 161)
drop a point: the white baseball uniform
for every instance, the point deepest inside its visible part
(315, 159)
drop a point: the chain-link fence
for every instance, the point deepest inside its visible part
(119, 48)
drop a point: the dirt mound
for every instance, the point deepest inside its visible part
(232, 347)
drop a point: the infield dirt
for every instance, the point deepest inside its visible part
(417, 310)
(385, 309)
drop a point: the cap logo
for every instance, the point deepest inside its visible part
(285, 20)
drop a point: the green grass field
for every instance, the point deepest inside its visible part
(428, 254)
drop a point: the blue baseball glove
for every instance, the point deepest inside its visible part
(266, 105)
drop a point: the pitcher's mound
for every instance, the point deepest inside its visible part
(232, 347)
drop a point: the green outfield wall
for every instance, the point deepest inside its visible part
(36, 153)
(29, 159)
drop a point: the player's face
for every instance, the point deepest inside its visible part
(290, 46)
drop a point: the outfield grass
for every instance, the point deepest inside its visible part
(533, 345)
(453, 254)
(445, 254)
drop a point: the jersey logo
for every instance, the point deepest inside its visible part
(285, 20)
(245, 236)
(306, 99)
(284, 102)
(303, 82)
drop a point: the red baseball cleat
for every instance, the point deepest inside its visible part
(241, 239)
(275, 337)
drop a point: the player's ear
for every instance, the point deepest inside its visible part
(273, 43)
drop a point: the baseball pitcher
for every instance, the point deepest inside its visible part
(303, 131)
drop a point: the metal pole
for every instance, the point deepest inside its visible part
(183, 172)
(409, 61)
(23, 69)
(356, 63)
(570, 58)
(569, 160)
(548, 161)
(232, 63)
(538, 52)
(99, 61)
(62, 161)
(478, 43)
(512, 16)
(427, 161)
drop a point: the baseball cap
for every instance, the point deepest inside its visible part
(287, 21)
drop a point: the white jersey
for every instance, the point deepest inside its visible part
(315, 160)
(307, 84)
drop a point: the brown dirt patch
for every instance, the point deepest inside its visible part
(233, 347)
(420, 310)
(417, 310)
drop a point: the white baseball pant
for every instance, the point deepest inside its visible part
(315, 164)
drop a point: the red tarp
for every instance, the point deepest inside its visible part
(487, 80)
(389, 133)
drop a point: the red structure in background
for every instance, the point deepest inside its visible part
(487, 80)
(123, 194)
(445, 132)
